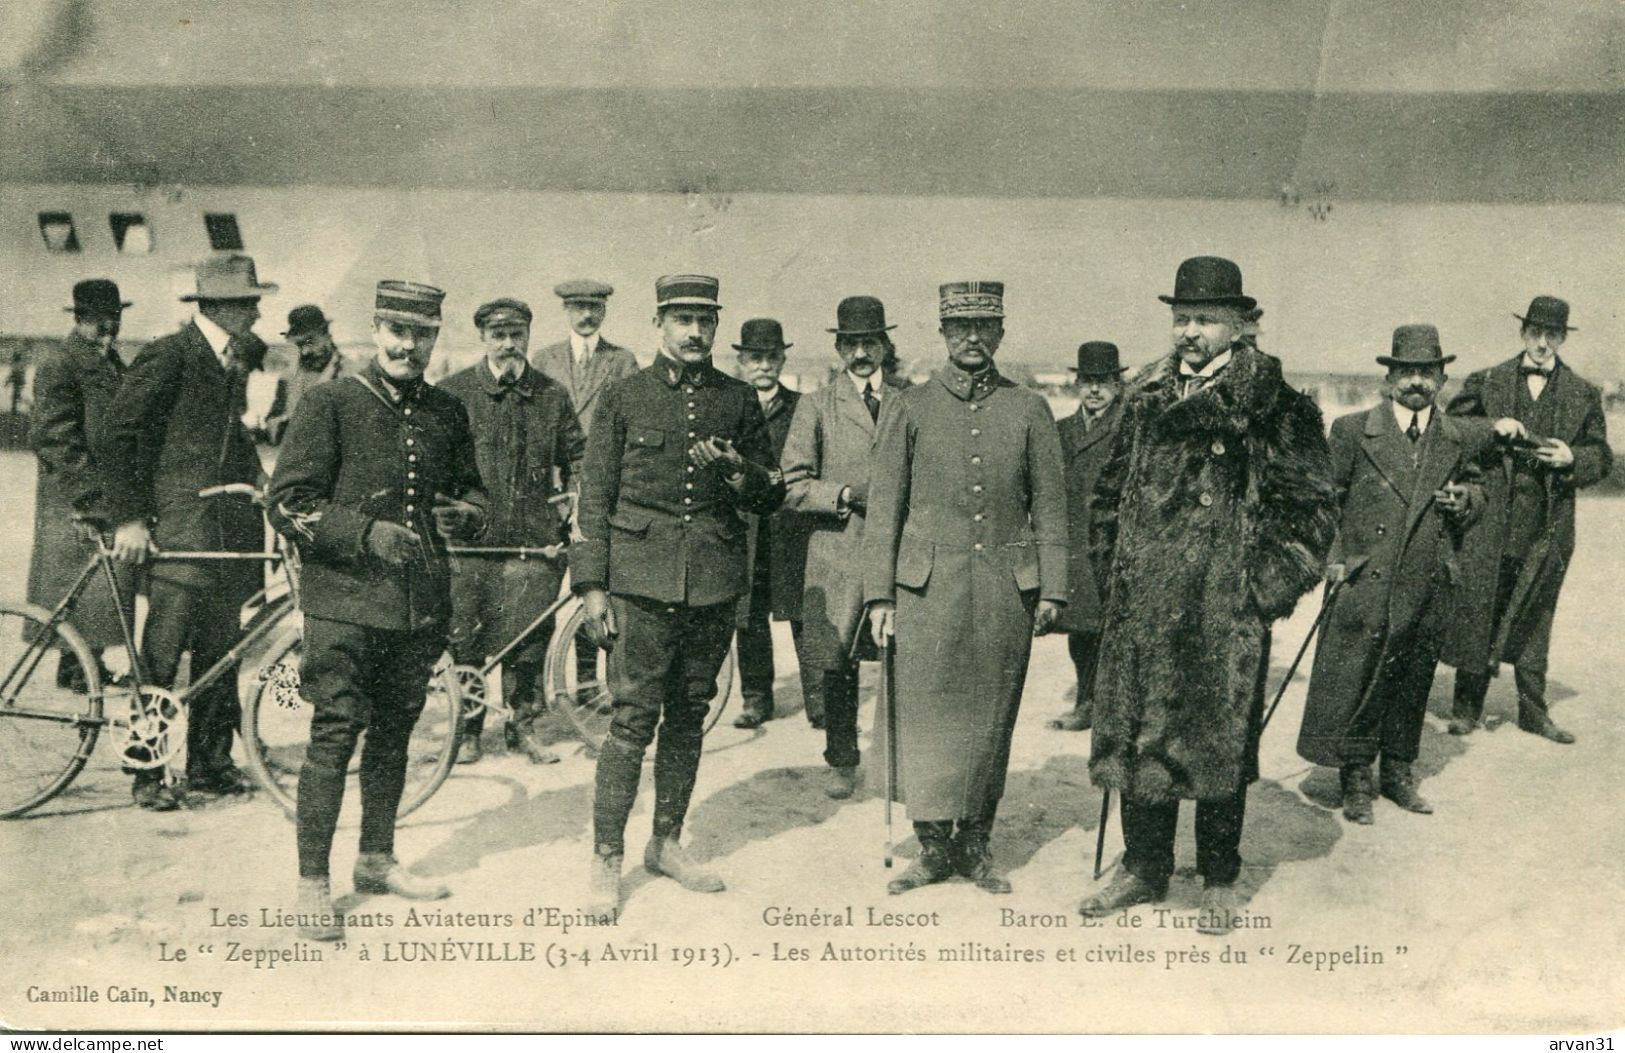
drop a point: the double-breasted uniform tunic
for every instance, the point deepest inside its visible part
(1378, 650)
(966, 532)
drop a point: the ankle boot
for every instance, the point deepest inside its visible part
(318, 918)
(604, 887)
(1358, 793)
(1399, 786)
(665, 856)
(379, 872)
(935, 862)
(1126, 890)
(973, 858)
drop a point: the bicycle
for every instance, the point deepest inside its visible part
(586, 703)
(53, 706)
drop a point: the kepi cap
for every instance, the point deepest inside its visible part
(692, 290)
(410, 302)
(971, 300)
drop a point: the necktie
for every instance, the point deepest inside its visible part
(1414, 432)
(871, 403)
(1534, 371)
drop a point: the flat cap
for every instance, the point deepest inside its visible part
(502, 309)
(582, 289)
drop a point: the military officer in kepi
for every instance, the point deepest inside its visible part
(675, 454)
(1550, 422)
(525, 433)
(1213, 514)
(1407, 486)
(964, 560)
(1085, 440)
(377, 470)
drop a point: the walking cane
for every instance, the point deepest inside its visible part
(888, 695)
(1100, 834)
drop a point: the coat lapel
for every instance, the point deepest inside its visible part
(1388, 450)
(1500, 391)
(1102, 428)
(1441, 452)
(850, 404)
(1567, 408)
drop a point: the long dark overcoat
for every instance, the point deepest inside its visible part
(1212, 517)
(174, 429)
(831, 446)
(1570, 408)
(1084, 450)
(780, 538)
(1407, 552)
(73, 387)
(966, 531)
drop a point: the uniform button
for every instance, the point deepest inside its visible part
(691, 468)
(691, 405)
(1376, 575)
(976, 460)
(976, 489)
(1381, 529)
(691, 416)
(1192, 556)
(411, 475)
(688, 500)
(412, 458)
(975, 432)
(407, 411)
(688, 486)
(409, 510)
(978, 517)
(411, 493)
(977, 546)
(1206, 500)
(687, 517)
(691, 435)
(411, 442)
(1218, 447)
(974, 407)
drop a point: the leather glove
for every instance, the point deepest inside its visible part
(392, 543)
(132, 542)
(600, 619)
(453, 519)
(1044, 617)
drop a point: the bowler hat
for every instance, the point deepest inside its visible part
(411, 302)
(971, 300)
(1097, 358)
(762, 335)
(687, 290)
(1211, 280)
(1415, 345)
(860, 316)
(582, 289)
(228, 277)
(306, 318)
(502, 309)
(97, 296)
(1548, 312)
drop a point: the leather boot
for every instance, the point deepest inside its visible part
(1073, 720)
(843, 782)
(1358, 793)
(974, 860)
(319, 919)
(677, 766)
(615, 789)
(1126, 890)
(665, 856)
(604, 887)
(1219, 904)
(1399, 786)
(935, 862)
(379, 872)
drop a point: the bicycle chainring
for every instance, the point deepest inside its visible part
(157, 728)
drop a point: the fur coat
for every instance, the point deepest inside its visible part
(1212, 516)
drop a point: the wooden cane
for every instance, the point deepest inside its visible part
(888, 694)
(1100, 834)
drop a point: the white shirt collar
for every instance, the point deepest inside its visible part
(872, 381)
(1528, 363)
(1216, 363)
(1402, 415)
(217, 337)
(580, 345)
(766, 397)
(498, 374)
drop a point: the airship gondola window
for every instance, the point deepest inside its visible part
(223, 233)
(57, 230)
(131, 233)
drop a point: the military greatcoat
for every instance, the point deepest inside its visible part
(966, 532)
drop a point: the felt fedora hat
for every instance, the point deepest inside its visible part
(228, 277)
(1415, 345)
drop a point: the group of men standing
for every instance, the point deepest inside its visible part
(1164, 527)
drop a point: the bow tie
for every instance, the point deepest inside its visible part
(1535, 371)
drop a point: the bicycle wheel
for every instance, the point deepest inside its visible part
(276, 730)
(582, 689)
(50, 707)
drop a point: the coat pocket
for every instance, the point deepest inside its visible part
(646, 438)
(635, 523)
(914, 563)
(1024, 565)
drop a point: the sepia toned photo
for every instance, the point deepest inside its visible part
(869, 517)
